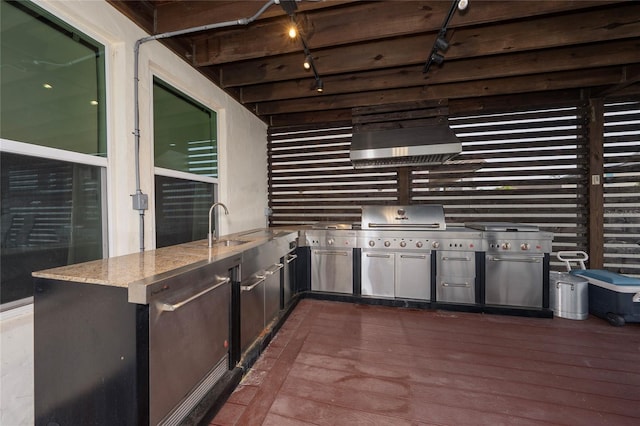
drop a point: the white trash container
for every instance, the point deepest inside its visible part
(568, 295)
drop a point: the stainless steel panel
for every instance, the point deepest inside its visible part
(417, 217)
(272, 292)
(514, 280)
(378, 273)
(251, 310)
(332, 270)
(413, 275)
(185, 342)
(455, 277)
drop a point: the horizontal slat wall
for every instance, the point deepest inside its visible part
(526, 166)
(622, 187)
(311, 178)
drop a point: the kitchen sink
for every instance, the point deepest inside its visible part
(229, 243)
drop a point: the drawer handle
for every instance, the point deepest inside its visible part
(517, 259)
(463, 259)
(333, 253)
(382, 256)
(261, 279)
(274, 268)
(291, 258)
(408, 256)
(446, 284)
(168, 307)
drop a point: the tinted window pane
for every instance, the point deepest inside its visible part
(182, 209)
(52, 83)
(51, 216)
(184, 133)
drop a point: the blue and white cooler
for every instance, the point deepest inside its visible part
(612, 296)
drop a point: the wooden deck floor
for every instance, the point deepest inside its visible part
(343, 364)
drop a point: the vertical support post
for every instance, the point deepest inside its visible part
(404, 187)
(595, 183)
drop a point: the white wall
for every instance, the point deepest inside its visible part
(242, 164)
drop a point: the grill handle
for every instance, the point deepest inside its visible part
(435, 225)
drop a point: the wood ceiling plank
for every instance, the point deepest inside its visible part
(177, 15)
(140, 12)
(523, 63)
(523, 84)
(361, 22)
(584, 27)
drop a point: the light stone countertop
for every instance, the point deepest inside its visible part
(121, 271)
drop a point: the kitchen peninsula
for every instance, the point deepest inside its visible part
(142, 338)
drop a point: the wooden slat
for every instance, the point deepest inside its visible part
(409, 17)
(461, 90)
(619, 52)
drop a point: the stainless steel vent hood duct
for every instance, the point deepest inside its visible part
(412, 146)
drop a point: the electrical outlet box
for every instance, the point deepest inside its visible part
(140, 201)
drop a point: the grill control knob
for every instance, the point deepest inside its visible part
(435, 244)
(525, 246)
(506, 246)
(403, 244)
(419, 244)
(330, 241)
(387, 243)
(372, 243)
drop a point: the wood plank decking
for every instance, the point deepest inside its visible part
(342, 364)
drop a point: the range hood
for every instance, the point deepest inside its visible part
(412, 146)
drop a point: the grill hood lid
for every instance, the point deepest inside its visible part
(413, 146)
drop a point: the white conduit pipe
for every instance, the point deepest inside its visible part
(136, 119)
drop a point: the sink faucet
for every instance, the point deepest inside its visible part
(213, 235)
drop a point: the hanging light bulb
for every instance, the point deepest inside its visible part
(307, 62)
(293, 32)
(319, 86)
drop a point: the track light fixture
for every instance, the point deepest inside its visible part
(290, 8)
(441, 44)
(437, 58)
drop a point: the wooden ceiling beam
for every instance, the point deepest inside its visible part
(523, 63)
(500, 86)
(358, 23)
(580, 28)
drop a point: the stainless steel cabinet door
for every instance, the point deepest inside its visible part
(272, 292)
(332, 270)
(251, 310)
(413, 276)
(514, 280)
(378, 274)
(188, 335)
